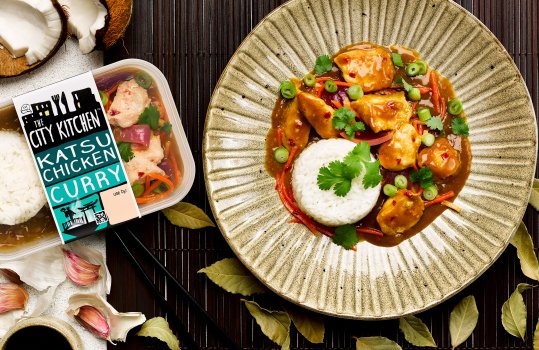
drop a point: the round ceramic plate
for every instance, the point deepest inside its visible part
(374, 282)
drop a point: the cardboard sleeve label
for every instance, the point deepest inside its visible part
(76, 157)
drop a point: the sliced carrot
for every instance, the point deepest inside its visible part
(442, 108)
(370, 231)
(440, 198)
(176, 170)
(323, 79)
(435, 92)
(279, 137)
(290, 158)
(319, 91)
(423, 89)
(452, 205)
(414, 105)
(336, 104)
(342, 83)
(346, 103)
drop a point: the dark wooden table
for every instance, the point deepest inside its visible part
(191, 42)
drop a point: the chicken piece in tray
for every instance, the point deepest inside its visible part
(318, 113)
(401, 152)
(383, 112)
(145, 160)
(130, 101)
(371, 68)
(400, 212)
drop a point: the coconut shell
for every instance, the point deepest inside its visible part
(11, 67)
(119, 18)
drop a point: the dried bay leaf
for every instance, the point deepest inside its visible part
(376, 343)
(416, 332)
(188, 215)
(274, 324)
(536, 337)
(232, 276)
(463, 320)
(309, 324)
(158, 327)
(524, 244)
(514, 312)
(534, 196)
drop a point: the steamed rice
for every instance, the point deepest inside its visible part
(325, 206)
(22, 196)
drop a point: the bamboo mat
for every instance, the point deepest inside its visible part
(191, 42)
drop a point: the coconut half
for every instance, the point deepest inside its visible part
(86, 20)
(119, 17)
(31, 32)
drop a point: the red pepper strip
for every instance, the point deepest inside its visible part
(292, 208)
(294, 221)
(319, 91)
(440, 198)
(420, 192)
(323, 79)
(370, 231)
(290, 158)
(443, 113)
(373, 142)
(342, 83)
(279, 137)
(336, 104)
(435, 92)
(423, 89)
(414, 105)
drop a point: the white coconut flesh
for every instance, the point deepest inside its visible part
(85, 18)
(29, 28)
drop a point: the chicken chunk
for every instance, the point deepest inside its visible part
(318, 113)
(401, 212)
(441, 158)
(371, 68)
(130, 101)
(296, 128)
(138, 167)
(154, 153)
(383, 112)
(401, 152)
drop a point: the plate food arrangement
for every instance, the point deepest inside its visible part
(413, 152)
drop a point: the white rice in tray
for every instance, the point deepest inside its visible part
(22, 195)
(325, 206)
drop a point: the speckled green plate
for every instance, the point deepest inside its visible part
(374, 282)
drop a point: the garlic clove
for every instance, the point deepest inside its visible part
(11, 275)
(79, 270)
(95, 257)
(12, 297)
(94, 321)
(120, 323)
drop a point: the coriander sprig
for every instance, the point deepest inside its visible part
(345, 119)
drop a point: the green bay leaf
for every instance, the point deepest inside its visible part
(274, 324)
(376, 343)
(187, 215)
(514, 312)
(158, 327)
(463, 320)
(416, 332)
(232, 276)
(309, 324)
(525, 252)
(534, 196)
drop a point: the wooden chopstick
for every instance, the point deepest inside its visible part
(201, 310)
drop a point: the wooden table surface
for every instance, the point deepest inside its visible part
(191, 42)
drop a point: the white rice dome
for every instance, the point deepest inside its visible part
(22, 195)
(325, 206)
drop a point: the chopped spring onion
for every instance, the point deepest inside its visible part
(430, 192)
(330, 86)
(397, 59)
(390, 190)
(414, 94)
(288, 89)
(424, 67)
(309, 80)
(281, 155)
(413, 69)
(138, 189)
(104, 97)
(454, 106)
(143, 79)
(355, 92)
(427, 139)
(423, 113)
(401, 181)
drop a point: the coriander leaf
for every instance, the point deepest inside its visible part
(407, 87)
(150, 116)
(350, 130)
(323, 64)
(459, 126)
(346, 236)
(422, 176)
(333, 176)
(435, 123)
(343, 187)
(362, 151)
(326, 179)
(337, 168)
(342, 118)
(166, 128)
(126, 153)
(372, 175)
